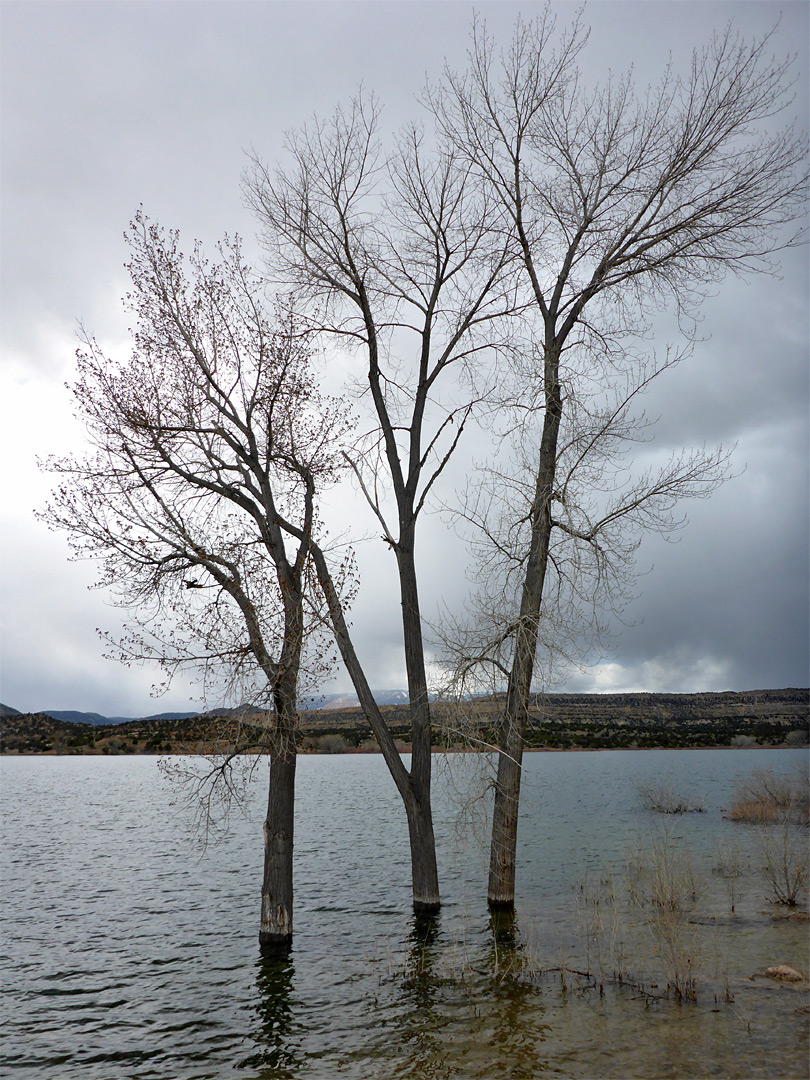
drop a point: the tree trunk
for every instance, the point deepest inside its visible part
(413, 786)
(503, 849)
(277, 883)
(424, 871)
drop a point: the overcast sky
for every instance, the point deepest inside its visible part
(107, 106)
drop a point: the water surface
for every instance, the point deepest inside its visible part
(128, 952)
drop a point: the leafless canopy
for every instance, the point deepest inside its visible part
(646, 196)
(210, 444)
(397, 254)
(616, 204)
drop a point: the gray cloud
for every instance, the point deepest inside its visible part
(106, 106)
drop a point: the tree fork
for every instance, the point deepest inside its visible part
(414, 787)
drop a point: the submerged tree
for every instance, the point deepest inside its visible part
(401, 256)
(616, 205)
(211, 445)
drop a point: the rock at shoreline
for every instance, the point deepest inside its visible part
(783, 973)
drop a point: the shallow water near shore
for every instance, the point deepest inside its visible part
(129, 953)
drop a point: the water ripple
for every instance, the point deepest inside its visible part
(137, 959)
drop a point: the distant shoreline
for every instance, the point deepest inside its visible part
(356, 752)
(556, 722)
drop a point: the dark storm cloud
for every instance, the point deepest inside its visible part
(107, 106)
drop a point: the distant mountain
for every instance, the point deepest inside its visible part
(70, 716)
(316, 702)
(169, 716)
(675, 706)
(351, 701)
(391, 697)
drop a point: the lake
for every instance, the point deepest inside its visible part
(130, 952)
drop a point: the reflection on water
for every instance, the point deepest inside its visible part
(275, 1032)
(127, 955)
(467, 1018)
(518, 1030)
(416, 1038)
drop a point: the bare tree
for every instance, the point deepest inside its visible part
(210, 447)
(400, 256)
(617, 205)
(604, 503)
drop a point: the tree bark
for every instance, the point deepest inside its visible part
(277, 882)
(276, 926)
(424, 871)
(503, 849)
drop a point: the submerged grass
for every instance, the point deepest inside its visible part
(653, 928)
(662, 798)
(766, 798)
